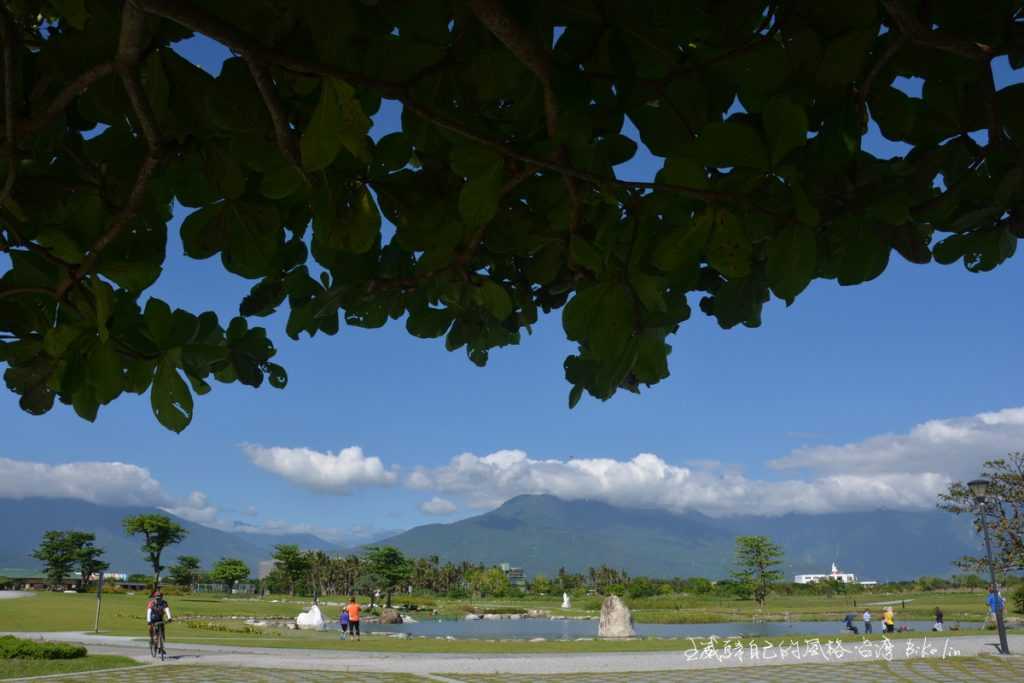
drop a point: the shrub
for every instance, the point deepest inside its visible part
(1018, 599)
(16, 648)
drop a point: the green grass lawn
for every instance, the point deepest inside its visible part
(18, 668)
(124, 615)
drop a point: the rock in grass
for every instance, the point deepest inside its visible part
(616, 619)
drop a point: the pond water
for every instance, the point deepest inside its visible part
(554, 629)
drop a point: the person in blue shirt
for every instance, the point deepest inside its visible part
(995, 601)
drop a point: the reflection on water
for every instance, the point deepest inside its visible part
(553, 629)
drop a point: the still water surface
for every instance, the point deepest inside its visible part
(571, 628)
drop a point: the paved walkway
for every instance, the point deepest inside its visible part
(941, 660)
(959, 670)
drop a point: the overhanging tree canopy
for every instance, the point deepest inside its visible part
(501, 183)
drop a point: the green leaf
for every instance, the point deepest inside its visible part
(72, 10)
(393, 151)
(159, 322)
(731, 144)
(585, 254)
(277, 376)
(321, 141)
(845, 56)
(729, 251)
(785, 125)
(104, 297)
(170, 398)
(494, 298)
(648, 290)
(792, 261)
(480, 196)
(281, 182)
(349, 223)
(602, 317)
(683, 171)
(104, 372)
(428, 323)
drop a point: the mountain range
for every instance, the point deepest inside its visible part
(23, 522)
(542, 533)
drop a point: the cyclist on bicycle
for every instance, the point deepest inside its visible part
(157, 611)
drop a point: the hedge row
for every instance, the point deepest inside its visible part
(16, 648)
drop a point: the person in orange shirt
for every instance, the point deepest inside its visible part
(353, 617)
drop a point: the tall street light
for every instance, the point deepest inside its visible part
(979, 489)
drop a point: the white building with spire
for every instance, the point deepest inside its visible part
(836, 575)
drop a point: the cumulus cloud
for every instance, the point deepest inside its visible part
(437, 506)
(336, 473)
(956, 446)
(104, 483)
(649, 481)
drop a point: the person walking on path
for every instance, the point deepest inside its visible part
(867, 621)
(890, 620)
(938, 620)
(848, 622)
(353, 617)
(343, 621)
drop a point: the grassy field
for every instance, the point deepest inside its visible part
(123, 615)
(18, 668)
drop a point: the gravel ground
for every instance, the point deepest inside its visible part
(532, 664)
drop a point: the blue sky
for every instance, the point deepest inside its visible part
(862, 366)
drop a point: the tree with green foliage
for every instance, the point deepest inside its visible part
(489, 582)
(1004, 515)
(390, 567)
(229, 571)
(186, 572)
(87, 555)
(502, 180)
(58, 553)
(292, 563)
(756, 559)
(158, 532)
(540, 585)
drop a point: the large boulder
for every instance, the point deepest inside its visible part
(616, 619)
(310, 620)
(389, 615)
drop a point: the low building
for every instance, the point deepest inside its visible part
(516, 575)
(835, 575)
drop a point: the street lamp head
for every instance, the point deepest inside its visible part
(978, 487)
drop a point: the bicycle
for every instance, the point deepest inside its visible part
(156, 641)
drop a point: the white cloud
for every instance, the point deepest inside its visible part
(336, 473)
(894, 471)
(955, 446)
(196, 508)
(649, 481)
(104, 483)
(437, 506)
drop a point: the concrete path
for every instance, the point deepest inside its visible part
(604, 663)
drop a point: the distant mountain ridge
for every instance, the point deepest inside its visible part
(23, 522)
(542, 533)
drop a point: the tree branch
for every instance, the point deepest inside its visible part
(282, 131)
(894, 46)
(492, 15)
(10, 34)
(64, 98)
(133, 40)
(200, 21)
(917, 32)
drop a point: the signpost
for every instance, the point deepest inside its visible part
(99, 600)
